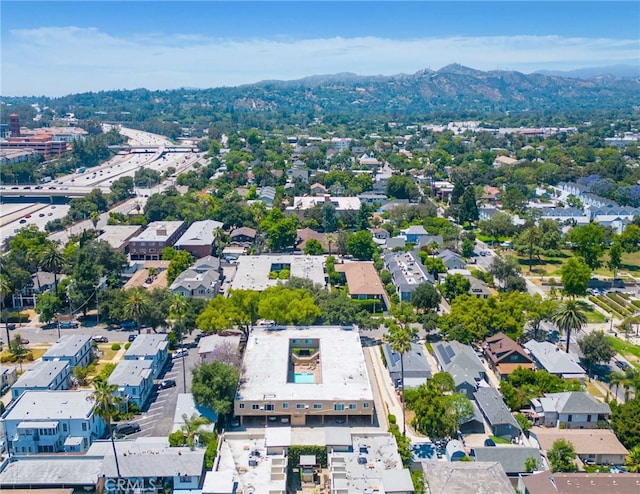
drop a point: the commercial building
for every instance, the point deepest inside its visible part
(43, 376)
(253, 271)
(150, 243)
(304, 376)
(199, 238)
(586, 483)
(51, 422)
(73, 348)
(152, 347)
(118, 236)
(41, 144)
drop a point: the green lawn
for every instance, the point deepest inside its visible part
(624, 348)
(595, 317)
(499, 440)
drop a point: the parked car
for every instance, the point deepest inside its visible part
(68, 325)
(100, 339)
(131, 337)
(166, 383)
(128, 324)
(621, 364)
(127, 428)
(24, 341)
(181, 352)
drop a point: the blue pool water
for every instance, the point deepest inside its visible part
(303, 378)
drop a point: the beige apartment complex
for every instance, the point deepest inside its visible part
(304, 376)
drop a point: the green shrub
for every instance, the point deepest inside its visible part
(210, 454)
(7, 357)
(127, 345)
(384, 361)
(115, 347)
(177, 438)
(320, 452)
(17, 317)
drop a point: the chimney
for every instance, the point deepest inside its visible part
(161, 231)
(327, 198)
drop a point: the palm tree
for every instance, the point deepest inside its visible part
(106, 404)
(632, 461)
(629, 379)
(178, 309)
(17, 350)
(52, 260)
(191, 429)
(400, 342)
(569, 316)
(94, 217)
(137, 307)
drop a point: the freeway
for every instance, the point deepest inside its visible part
(36, 200)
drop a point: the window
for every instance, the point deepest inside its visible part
(143, 244)
(317, 406)
(255, 406)
(353, 406)
(64, 427)
(570, 418)
(269, 407)
(338, 407)
(285, 405)
(299, 406)
(588, 418)
(84, 426)
(241, 406)
(152, 250)
(365, 405)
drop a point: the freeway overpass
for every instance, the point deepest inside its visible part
(57, 196)
(124, 148)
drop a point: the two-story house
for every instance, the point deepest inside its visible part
(73, 348)
(462, 363)
(133, 380)
(569, 410)
(51, 422)
(151, 242)
(43, 376)
(504, 355)
(152, 347)
(199, 238)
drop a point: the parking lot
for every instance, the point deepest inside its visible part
(157, 419)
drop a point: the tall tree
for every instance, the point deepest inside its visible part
(137, 306)
(561, 456)
(425, 297)
(52, 261)
(399, 340)
(215, 385)
(361, 246)
(330, 218)
(177, 310)
(575, 277)
(468, 210)
(596, 348)
(192, 428)
(454, 285)
(589, 241)
(615, 258)
(106, 404)
(530, 239)
(569, 316)
(239, 310)
(18, 350)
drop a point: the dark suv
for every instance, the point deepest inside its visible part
(126, 429)
(68, 325)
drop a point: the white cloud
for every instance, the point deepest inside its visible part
(56, 61)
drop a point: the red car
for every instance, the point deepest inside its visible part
(24, 341)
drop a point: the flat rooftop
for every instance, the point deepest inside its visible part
(50, 405)
(158, 231)
(51, 470)
(117, 235)
(264, 474)
(199, 233)
(67, 346)
(253, 271)
(374, 462)
(42, 374)
(266, 364)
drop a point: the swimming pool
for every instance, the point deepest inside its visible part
(304, 378)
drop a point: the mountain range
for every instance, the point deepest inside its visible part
(454, 88)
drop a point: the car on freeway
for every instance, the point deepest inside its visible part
(22, 221)
(41, 215)
(27, 216)
(127, 428)
(68, 325)
(166, 383)
(100, 339)
(180, 353)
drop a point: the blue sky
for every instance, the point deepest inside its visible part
(56, 48)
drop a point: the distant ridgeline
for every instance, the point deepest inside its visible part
(452, 89)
